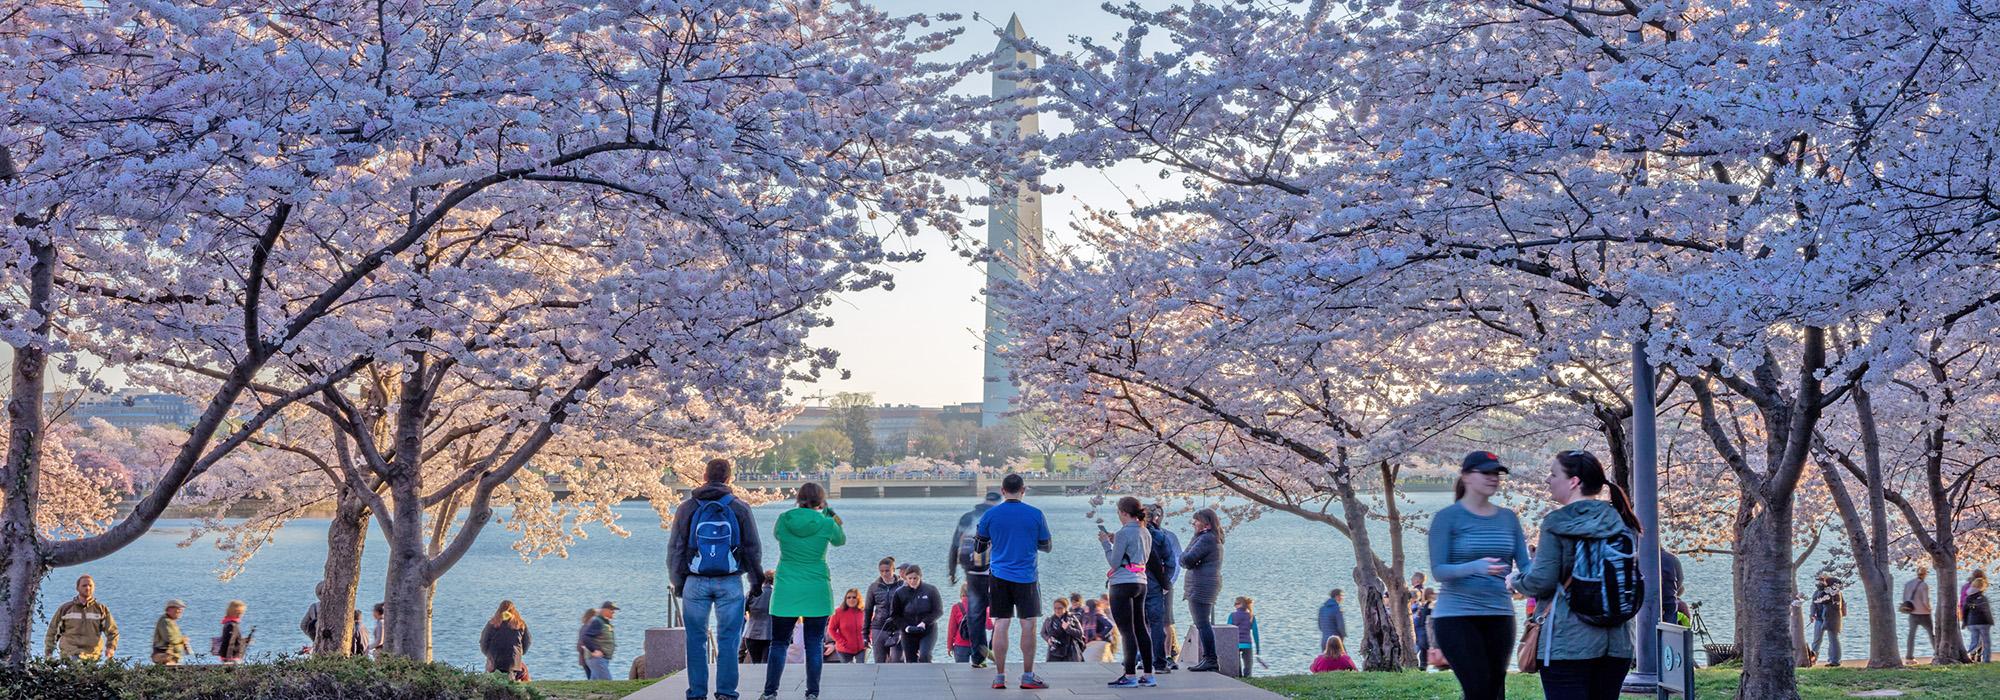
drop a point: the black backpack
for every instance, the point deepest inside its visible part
(1605, 587)
(1156, 560)
(969, 558)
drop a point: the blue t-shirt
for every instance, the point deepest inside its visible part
(1017, 531)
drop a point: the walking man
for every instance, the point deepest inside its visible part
(1332, 620)
(1163, 570)
(881, 641)
(600, 641)
(978, 580)
(169, 645)
(714, 545)
(1011, 534)
(83, 627)
(1917, 604)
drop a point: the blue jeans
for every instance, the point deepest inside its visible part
(1979, 643)
(722, 597)
(1822, 629)
(1158, 615)
(597, 668)
(781, 641)
(976, 597)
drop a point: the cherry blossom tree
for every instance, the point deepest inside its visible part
(1919, 444)
(284, 198)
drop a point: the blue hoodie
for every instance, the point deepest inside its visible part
(1332, 623)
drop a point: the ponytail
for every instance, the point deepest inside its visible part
(1458, 488)
(1589, 474)
(1623, 503)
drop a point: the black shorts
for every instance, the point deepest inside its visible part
(1009, 600)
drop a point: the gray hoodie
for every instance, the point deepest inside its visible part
(1565, 638)
(1132, 544)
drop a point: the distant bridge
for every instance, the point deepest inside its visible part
(972, 486)
(969, 486)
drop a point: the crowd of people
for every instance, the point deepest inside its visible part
(1480, 561)
(716, 553)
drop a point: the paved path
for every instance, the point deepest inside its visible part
(1070, 681)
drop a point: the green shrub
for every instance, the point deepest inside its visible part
(307, 678)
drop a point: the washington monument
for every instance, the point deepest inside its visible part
(1013, 226)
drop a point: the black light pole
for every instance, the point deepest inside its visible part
(1645, 678)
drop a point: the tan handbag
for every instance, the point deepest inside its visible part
(1527, 658)
(1435, 657)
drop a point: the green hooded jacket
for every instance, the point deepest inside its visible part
(1565, 638)
(804, 587)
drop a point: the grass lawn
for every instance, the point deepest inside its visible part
(587, 690)
(1927, 682)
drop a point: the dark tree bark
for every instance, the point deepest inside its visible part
(346, 538)
(23, 559)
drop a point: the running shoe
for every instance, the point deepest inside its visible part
(1147, 682)
(1031, 681)
(1000, 682)
(1124, 682)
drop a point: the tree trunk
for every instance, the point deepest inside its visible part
(346, 537)
(1764, 546)
(1950, 645)
(1873, 566)
(1382, 648)
(23, 560)
(406, 593)
(1399, 595)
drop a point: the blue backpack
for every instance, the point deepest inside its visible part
(714, 534)
(1605, 588)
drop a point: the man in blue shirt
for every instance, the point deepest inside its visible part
(1166, 558)
(1011, 534)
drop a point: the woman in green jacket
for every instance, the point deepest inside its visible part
(804, 587)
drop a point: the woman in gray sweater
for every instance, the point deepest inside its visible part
(1126, 552)
(1203, 563)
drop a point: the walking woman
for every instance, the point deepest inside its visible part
(1979, 623)
(804, 589)
(848, 629)
(1126, 552)
(1474, 545)
(913, 612)
(1202, 562)
(234, 642)
(582, 653)
(1580, 661)
(505, 642)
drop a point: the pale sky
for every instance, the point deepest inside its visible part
(920, 343)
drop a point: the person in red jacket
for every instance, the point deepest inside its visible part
(961, 645)
(848, 630)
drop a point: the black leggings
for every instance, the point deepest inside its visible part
(1477, 647)
(1585, 679)
(1128, 612)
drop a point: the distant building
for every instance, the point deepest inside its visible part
(889, 425)
(126, 410)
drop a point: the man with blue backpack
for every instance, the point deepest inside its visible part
(714, 545)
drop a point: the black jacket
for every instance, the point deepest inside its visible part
(504, 645)
(913, 606)
(875, 608)
(1202, 560)
(749, 555)
(1977, 610)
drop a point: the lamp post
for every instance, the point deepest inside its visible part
(1645, 678)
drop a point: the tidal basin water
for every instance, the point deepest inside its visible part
(1285, 563)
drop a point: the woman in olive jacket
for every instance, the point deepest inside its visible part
(1202, 564)
(1580, 661)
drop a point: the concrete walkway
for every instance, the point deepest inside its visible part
(1068, 681)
